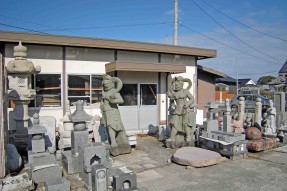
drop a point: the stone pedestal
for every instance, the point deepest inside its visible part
(79, 138)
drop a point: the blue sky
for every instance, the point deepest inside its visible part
(241, 52)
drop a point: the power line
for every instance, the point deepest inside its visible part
(31, 30)
(270, 72)
(232, 33)
(34, 23)
(256, 30)
(268, 61)
(109, 26)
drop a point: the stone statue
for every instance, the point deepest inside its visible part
(258, 113)
(21, 65)
(271, 116)
(181, 122)
(241, 109)
(111, 116)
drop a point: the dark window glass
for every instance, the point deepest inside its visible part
(148, 94)
(129, 92)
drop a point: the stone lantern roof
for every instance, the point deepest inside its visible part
(80, 115)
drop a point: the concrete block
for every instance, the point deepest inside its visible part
(38, 146)
(79, 138)
(99, 178)
(71, 162)
(46, 173)
(124, 182)
(61, 184)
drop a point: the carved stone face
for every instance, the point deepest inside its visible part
(178, 85)
(108, 85)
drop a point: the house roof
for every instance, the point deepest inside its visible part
(226, 79)
(284, 68)
(33, 38)
(211, 71)
(246, 81)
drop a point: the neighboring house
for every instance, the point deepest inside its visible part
(246, 83)
(280, 79)
(72, 69)
(231, 82)
(206, 86)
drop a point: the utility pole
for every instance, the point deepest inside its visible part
(175, 22)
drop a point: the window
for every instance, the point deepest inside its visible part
(148, 94)
(48, 90)
(85, 87)
(129, 92)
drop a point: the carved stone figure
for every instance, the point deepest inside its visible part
(271, 116)
(182, 122)
(258, 113)
(111, 115)
(241, 109)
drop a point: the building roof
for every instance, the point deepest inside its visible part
(226, 79)
(284, 68)
(33, 38)
(211, 71)
(247, 81)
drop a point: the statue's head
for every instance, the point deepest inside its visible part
(108, 82)
(178, 83)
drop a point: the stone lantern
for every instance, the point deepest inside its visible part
(20, 92)
(80, 135)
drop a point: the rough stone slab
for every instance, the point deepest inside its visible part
(262, 144)
(16, 182)
(282, 149)
(196, 157)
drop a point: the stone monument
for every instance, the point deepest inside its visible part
(42, 164)
(182, 122)
(258, 113)
(111, 116)
(241, 109)
(20, 92)
(224, 141)
(270, 129)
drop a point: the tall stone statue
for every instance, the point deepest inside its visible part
(271, 116)
(111, 115)
(182, 120)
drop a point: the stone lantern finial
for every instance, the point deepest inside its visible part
(20, 51)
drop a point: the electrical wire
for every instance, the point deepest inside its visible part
(256, 30)
(109, 26)
(232, 33)
(268, 61)
(31, 30)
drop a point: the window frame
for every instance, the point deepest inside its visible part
(90, 96)
(61, 92)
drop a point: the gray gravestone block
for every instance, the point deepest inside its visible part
(70, 162)
(38, 146)
(279, 101)
(59, 185)
(49, 123)
(99, 178)
(227, 123)
(125, 182)
(48, 173)
(32, 156)
(79, 138)
(210, 125)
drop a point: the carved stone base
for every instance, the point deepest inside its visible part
(178, 144)
(120, 149)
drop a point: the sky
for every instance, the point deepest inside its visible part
(250, 36)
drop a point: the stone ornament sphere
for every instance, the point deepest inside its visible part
(252, 133)
(258, 99)
(37, 136)
(79, 126)
(241, 98)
